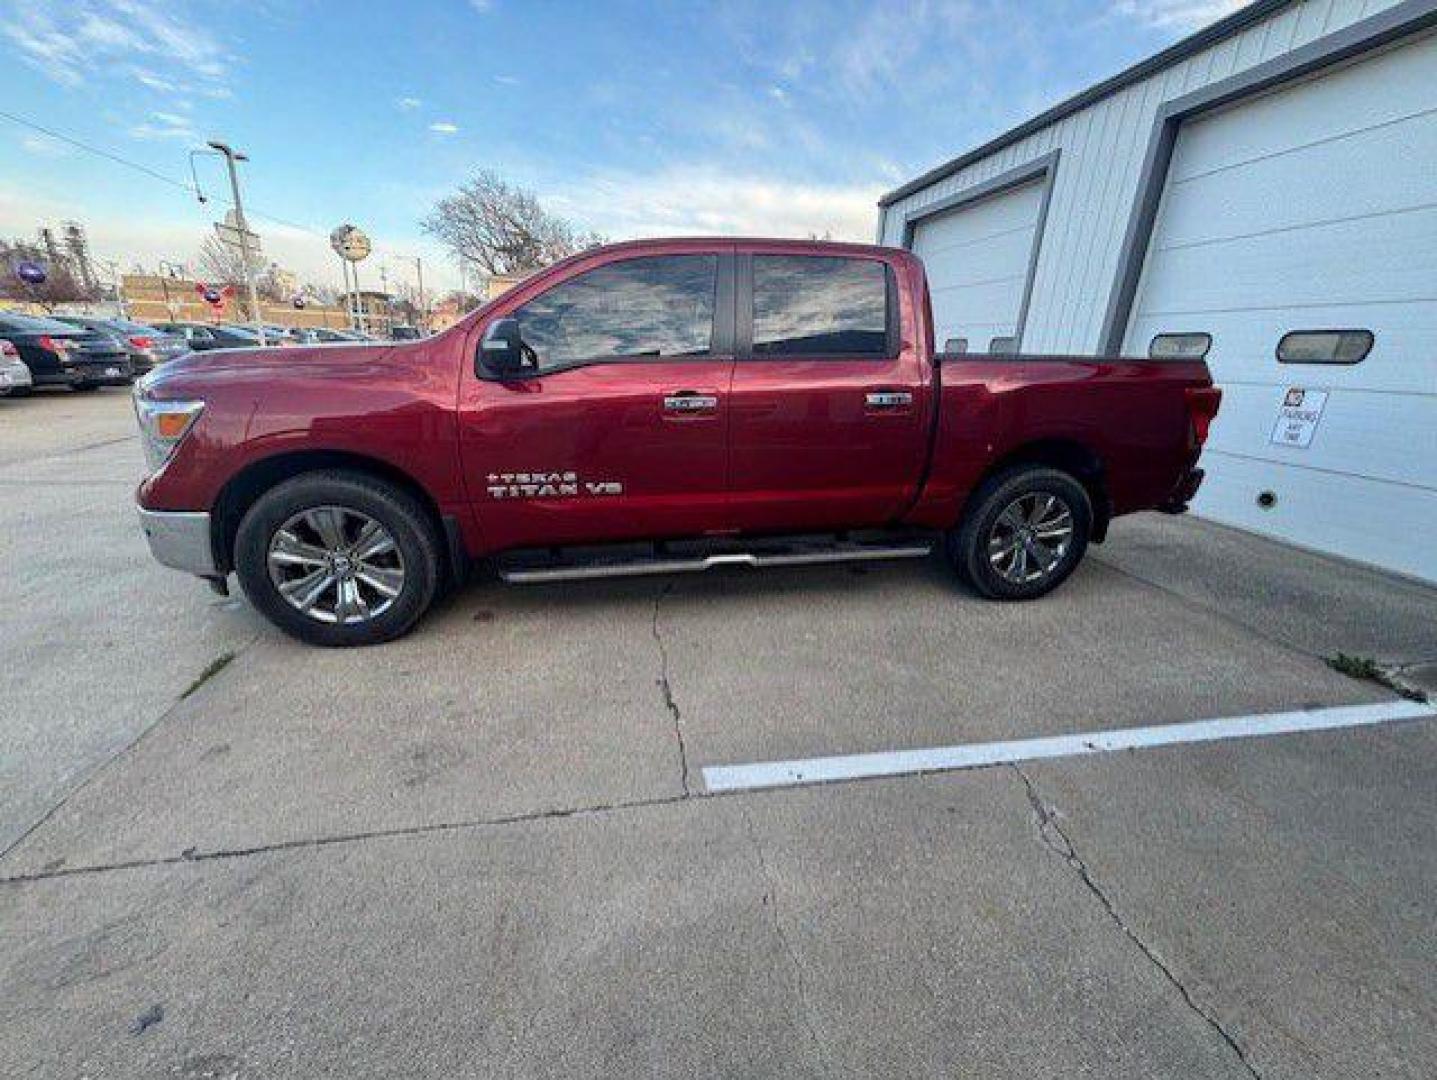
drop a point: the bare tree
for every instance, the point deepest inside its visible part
(502, 228)
(221, 264)
(61, 283)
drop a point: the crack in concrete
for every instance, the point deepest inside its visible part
(52, 455)
(666, 691)
(770, 901)
(211, 670)
(1057, 841)
(193, 855)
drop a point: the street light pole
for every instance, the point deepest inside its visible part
(419, 273)
(231, 157)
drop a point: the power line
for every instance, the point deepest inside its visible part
(96, 150)
(188, 188)
(153, 174)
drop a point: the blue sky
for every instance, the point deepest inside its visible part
(629, 118)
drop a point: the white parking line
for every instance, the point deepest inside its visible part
(767, 774)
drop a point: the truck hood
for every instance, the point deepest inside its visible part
(267, 364)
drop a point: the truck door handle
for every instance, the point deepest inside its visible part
(889, 399)
(686, 402)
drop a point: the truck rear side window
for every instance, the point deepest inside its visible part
(818, 305)
(657, 306)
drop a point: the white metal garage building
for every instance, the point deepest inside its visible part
(1267, 179)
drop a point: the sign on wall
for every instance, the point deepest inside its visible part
(1298, 416)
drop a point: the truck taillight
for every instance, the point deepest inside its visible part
(54, 345)
(141, 342)
(1202, 407)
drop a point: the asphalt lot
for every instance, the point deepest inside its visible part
(488, 849)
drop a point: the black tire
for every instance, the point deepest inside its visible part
(395, 510)
(84, 387)
(1027, 485)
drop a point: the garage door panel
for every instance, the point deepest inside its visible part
(1258, 198)
(1004, 212)
(1389, 261)
(985, 261)
(977, 257)
(987, 298)
(1366, 95)
(964, 246)
(1244, 345)
(1356, 433)
(1371, 521)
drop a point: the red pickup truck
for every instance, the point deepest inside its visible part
(658, 406)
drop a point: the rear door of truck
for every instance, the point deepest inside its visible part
(830, 397)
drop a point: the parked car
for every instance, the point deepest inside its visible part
(275, 334)
(205, 336)
(146, 345)
(59, 354)
(323, 335)
(404, 333)
(14, 375)
(657, 406)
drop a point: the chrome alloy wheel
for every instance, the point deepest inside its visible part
(1031, 537)
(336, 565)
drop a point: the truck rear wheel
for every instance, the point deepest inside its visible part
(1025, 530)
(338, 558)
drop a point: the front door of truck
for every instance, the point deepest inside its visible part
(830, 403)
(620, 431)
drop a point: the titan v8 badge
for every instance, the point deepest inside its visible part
(547, 485)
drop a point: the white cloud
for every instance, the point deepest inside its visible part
(165, 125)
(506, 80)
(713, 201)
(42, 146)
(1179, 14)
(483, 7)
(409, 104)
(75, 43)
(444, 127)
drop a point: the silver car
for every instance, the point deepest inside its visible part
(14, 375)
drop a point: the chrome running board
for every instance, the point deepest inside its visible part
(764, 556)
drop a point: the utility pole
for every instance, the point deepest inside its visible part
(119, 282)
(419, 273)
(388, 304)
(231, 157)
(170, 270)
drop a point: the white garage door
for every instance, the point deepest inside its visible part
(1313, 208)
(977, 258)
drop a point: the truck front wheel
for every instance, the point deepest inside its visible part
(1025, 530)
(338, 558)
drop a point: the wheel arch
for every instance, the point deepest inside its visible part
(1070, 456)
(242, 490)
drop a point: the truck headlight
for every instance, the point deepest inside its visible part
(163, 426)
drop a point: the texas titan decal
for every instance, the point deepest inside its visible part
(547, 485)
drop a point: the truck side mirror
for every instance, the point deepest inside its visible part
(502, 351)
